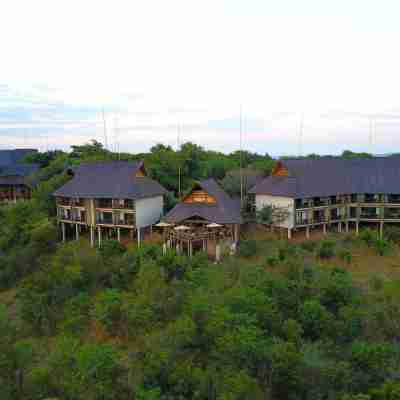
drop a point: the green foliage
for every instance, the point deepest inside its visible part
(315, 319)
(346, 256)
(392, 233)
(247, 248)
(382, 246)
(326, 249)
(368, 236)
(265, 215)
(111, 248)
(107, 309)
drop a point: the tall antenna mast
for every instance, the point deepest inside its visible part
(178, 140)
(241, 158)
(371, 134)
(105, 129)
(116, 136)
(301, 134)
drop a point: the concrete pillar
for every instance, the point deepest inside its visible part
(190, 248)
(324, 229)
(92, 236)
(63, 231)
(77, 231)
(381, 230)
(289, 233)
(164, 249)
(131, 233)
(138, 237)
(119, 234)
(357, 228)
(168, 244)
(308, 232)
(204, 245)
(347, 227)
(99, 234)
(340, 227)
(218, 252)
(151, 231)
(178, 249)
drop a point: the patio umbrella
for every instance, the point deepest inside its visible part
(162, 224)
(214, 225)
(181, 228)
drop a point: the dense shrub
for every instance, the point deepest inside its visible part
(327, 249)
(247, 248)
(382, 246)
(368, 236)
(392, 233)
(346, 256)
(111, 248)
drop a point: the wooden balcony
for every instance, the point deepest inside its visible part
(116, 204)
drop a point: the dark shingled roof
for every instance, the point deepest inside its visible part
(225, 211)
(112, 179)
(12, 172)
(9, 157)
(333, 176)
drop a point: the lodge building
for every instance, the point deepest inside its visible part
(112, 199)
(332, 193)
(206, 219)
(15, 184)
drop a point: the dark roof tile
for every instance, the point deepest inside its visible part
(113, 179)
(225, 211)
(333, 176)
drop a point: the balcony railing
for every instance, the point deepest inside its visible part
(370, 216)
(303, 222)
(320, 219)
(115, 221)
(115, 204)
(65, 201)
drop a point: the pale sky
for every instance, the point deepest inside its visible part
(154, 64)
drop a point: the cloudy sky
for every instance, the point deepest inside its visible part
(156, 64)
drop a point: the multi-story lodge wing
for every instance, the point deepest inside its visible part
(109, 197)
(206, 218)
(332, 192)
(14, 175)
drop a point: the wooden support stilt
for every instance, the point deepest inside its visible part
(324, 228)
(92, 236)
(63, 231)
(77, 231)
(218, 252)
(347, 227)
(340, 227)
(138, 237)
(357, 228)
(99, 234)
(308, 232)
(289, 233)
(381, 230)
(119, 234)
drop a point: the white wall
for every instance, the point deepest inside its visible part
(280, 202)
(148, 211)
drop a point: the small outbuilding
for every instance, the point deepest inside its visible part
(206, 219)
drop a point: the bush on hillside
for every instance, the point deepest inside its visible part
(392, 233)
(368, 236)
(111, 248)
(383, 247)
(346, 256)
(326, 249)
(248, 248)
